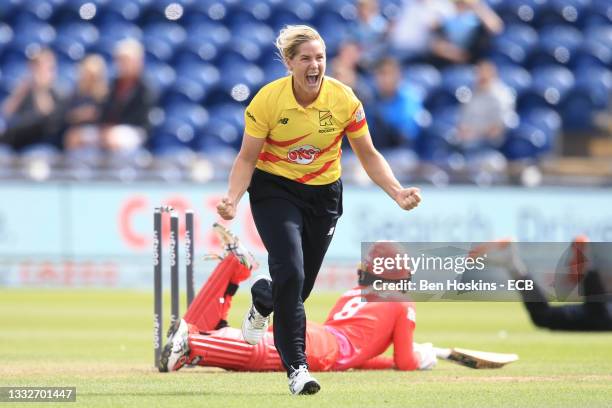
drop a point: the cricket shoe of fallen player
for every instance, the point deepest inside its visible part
(302, 383)
(501, 253)
(232, 244)
(176, 351)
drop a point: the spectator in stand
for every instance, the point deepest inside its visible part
(463, 36)
(483, 119)
(85, 105)
(369, 32)
(125, 116)
(412, 32)
(33, 110)
(396, 109)
(344, 69)
(348, 55)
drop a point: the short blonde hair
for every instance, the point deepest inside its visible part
(291, 37)
(97, 88)
(130, 47)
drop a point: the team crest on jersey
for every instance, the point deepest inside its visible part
(359, 115)
(325, 118)
(303, 154)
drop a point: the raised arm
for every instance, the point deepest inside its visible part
(240, 175)
(380, 172)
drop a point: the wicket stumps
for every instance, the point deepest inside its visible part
(174, 271)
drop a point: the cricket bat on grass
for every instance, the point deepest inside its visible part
(480, 359)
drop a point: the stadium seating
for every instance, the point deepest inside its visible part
(207, 58)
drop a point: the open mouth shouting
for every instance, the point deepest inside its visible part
(312, 79)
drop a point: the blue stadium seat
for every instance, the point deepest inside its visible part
(219, 136)
(534, 136)
(550, 85)
(213, 32)
(599, 14)
(32, 33)
(184, 91)
(172, 33)
(252, 11)
(68, 11)
(191, 113)
(68, 48)
(273, 69)
(514, 45)
(206, 74)
(521, 11)
(563, 12)
(238, 51)
(597, 47)
(194, 50)
(162, 39)
(129, 10)
(7, 10)
(158, 50)
(32, 11)
(455, 87)
(163, 11)
(516, 77)
(557, 45)
(66, 74)
(259, 33)
(6, 36)
(173, 133)
(160, 76)
(117, 31)
(590, 94)
(238, 82)
(423, 78)
(13, 71)
(291, 13)
(84, 32)
(248, 74)
(207, 10)
(224, 130)
(437, 141)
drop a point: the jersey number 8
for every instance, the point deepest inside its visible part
(350, 308)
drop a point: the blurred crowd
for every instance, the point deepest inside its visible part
(444, 84)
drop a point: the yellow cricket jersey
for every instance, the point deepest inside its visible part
(303, 144)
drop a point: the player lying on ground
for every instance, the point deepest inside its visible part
(355, 334)
(591, 315)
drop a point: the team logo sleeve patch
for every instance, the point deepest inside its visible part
(357, 127)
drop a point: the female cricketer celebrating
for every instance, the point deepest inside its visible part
(290, 163)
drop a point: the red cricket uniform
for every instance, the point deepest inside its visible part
(366, 329)
(354, 335)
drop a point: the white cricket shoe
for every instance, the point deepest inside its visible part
(302, 383)
(254, 326)
(176, 351)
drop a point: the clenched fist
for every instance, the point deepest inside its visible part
(226, 209)
(408, 198)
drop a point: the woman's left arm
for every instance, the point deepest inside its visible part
(380, 172)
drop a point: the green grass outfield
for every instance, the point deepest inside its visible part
(100, 342)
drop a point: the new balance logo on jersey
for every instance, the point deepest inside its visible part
(283, 121)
